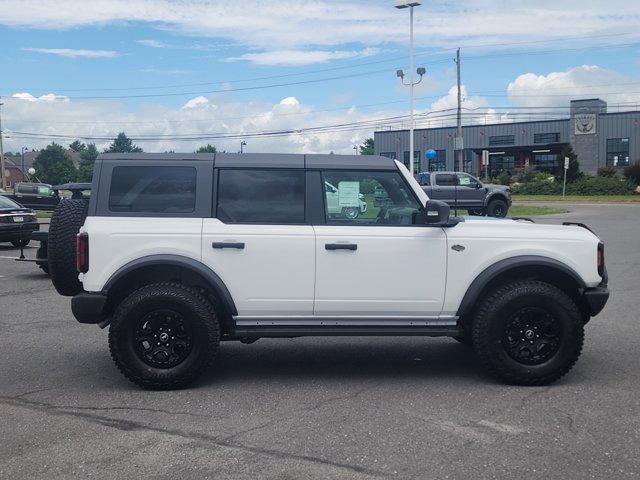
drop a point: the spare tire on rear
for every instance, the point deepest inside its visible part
(66, 221)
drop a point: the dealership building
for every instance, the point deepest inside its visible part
(598, 138)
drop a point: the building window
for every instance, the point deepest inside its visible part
(499, 164)
(546, 137)
(468, 160)
(391, 155)
(502, 140)
(546, 162)
(618, 152)
(261, 196)
(438, 164)
(416, 160)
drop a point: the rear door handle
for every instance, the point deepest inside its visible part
(341, 246)
(236, 245)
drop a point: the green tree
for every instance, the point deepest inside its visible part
(122, 144)
(573, 173)
(208, 148)
(87, 159)
(77, 146)
(53, 165)
(367, 147)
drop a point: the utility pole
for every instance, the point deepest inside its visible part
(459, 143)
(2, 170)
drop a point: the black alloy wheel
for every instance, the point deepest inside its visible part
(163, 339)
(532, 336)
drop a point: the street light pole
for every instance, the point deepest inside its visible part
(2, 170)
(401, 4)
(23, 172)
(242, 144)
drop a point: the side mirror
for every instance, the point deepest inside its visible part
(437, 212)
(478, 186)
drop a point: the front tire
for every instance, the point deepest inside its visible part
(476, 212)
(351, 213)
(528, 333)
(497, 208)
(163, 336)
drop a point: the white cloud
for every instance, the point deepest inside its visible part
(197, 102)
(74, 53)
(152, 43)
(301, 57)
(558, 88)
(292, 24)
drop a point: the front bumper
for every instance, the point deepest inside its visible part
(596, 298)
(89, 307)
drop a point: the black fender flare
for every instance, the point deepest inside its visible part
(195, 266)
(490, 273)
(493, 195)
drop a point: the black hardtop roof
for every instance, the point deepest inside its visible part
(269, 160)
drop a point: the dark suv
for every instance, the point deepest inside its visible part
(464, 191)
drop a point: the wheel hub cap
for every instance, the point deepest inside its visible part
(532, 336)
(162, 339)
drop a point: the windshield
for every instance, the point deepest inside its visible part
(8, 203)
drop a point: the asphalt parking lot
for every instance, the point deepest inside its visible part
(320, 407)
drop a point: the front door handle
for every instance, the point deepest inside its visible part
(341, 246)
(236, 245)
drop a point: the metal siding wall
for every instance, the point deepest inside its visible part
(620, 125)
(612, 125)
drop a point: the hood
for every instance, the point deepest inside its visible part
(494, 186)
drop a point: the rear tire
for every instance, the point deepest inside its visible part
(497, 208)
(66, 221)
(528, 333)
(163, 336)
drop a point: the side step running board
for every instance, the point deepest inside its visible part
(319, 331)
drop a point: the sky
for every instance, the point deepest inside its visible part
(308, 76)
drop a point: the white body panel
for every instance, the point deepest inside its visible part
(394, 271)
(116, 241)
(487, 241)
(272, 275)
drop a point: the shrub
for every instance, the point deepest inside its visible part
(632, 173)
(539, 186)
(585, 185)
(588, 185)
(608, 171)
(504, 178)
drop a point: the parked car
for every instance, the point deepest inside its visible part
(255, 254)
(39, 196)
(16, 222)
(466, 192)
(350, 207)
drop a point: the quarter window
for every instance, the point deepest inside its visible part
(261, 196)
(369, 198)
(153, 189)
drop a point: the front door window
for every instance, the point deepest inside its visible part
(368, 198)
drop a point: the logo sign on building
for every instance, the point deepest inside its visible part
(585, 124)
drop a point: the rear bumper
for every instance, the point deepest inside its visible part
(17, 231)
(596, 298)
(89, 307)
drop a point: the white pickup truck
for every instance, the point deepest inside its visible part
(178, 252)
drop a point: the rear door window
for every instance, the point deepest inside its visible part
(446, 180)
(261, 196)
(153, 189)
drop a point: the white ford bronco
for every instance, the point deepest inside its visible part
(178, 252)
